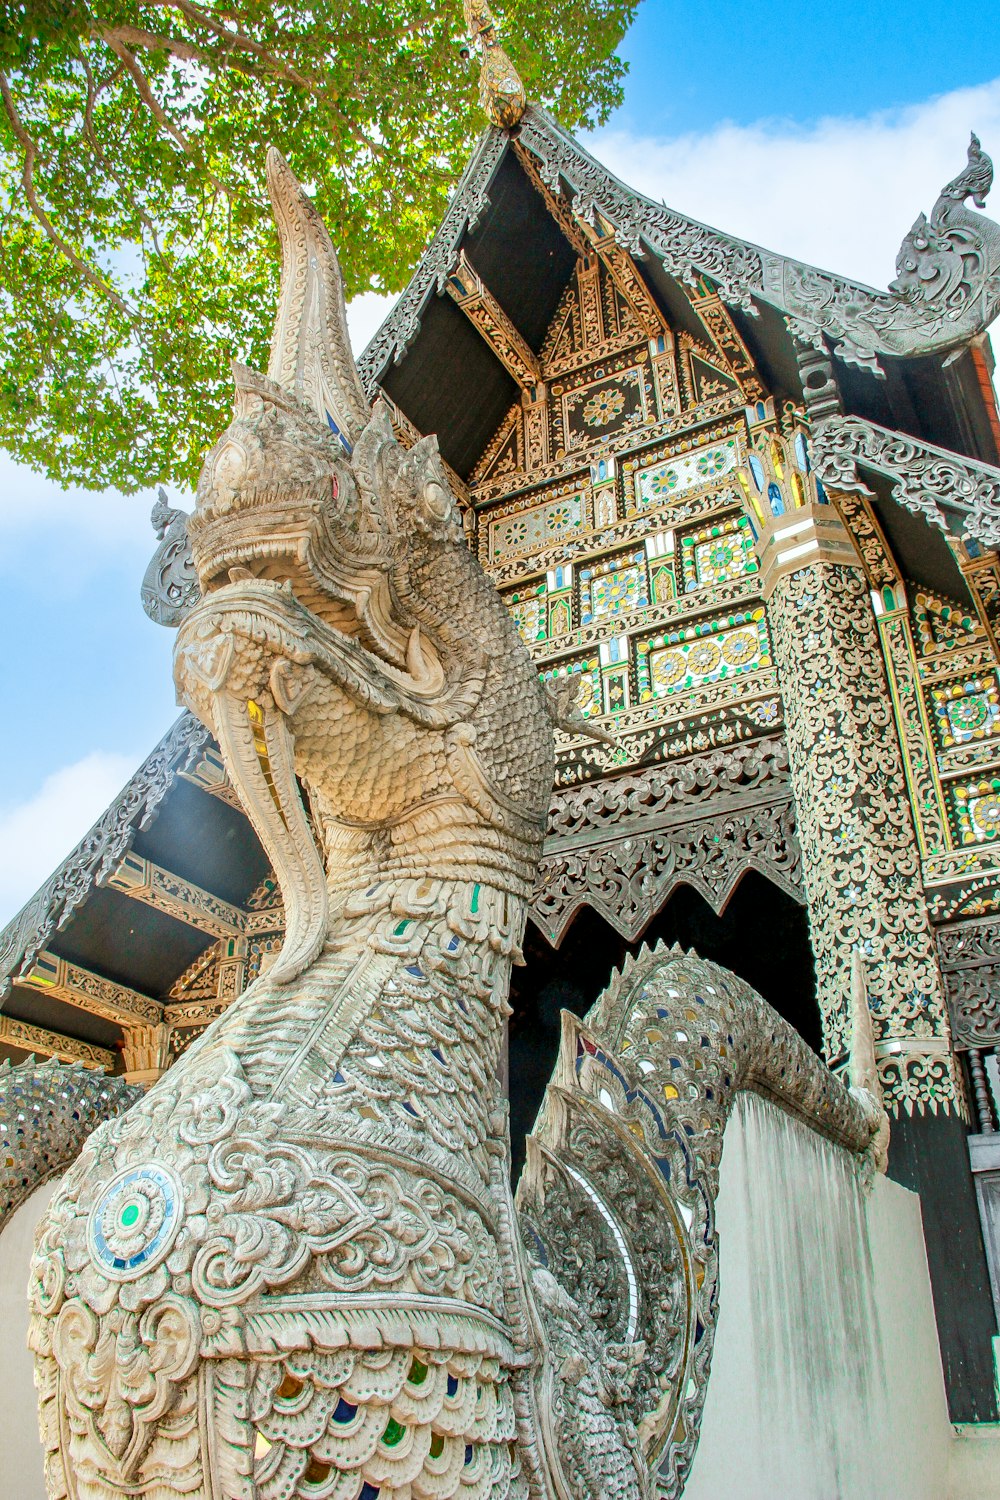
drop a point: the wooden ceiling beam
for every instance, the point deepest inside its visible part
(75, 985)
(154, 886)
(45, 1043)
(468, 291)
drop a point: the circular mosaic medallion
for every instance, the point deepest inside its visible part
(133, 1223)
(740, 648)
(986, 815)
(668, 668)
(721, 555)
(968, 714)
(704, 657)
(713, 462)
(664, 481)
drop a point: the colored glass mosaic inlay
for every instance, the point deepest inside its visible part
(708, 652)
(528, 607)
(611, 587)
(599, 410)
(133, 1223)
(965, 711)
(977, 810)
(662, 482)
(718, 553)
(537, 528)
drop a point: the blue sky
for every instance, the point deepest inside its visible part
(820, 133)
(692, 66)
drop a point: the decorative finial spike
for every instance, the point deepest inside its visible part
(974, 181)
(501, 92)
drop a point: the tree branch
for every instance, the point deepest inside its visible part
(118, 39)
(156, 108)
(135, 36)
(91, 134)
(28, 183)
(236, 37)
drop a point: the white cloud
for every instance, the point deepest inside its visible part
(839, 194)
(37, 834)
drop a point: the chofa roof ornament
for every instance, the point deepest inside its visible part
(501, 92)
(944, 261)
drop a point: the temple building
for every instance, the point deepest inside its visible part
(751, 509)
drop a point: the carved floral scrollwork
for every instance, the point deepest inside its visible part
(628, 881)
(860, 855)
(622, 845)
(170, 587)
(948, 491)
(970, 962)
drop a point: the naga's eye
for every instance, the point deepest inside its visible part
(437, 501)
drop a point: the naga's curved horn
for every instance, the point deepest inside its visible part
(310, 347)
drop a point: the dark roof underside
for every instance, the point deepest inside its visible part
(449, 381)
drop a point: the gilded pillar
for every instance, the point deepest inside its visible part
(861, 857)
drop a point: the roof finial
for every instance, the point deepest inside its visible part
(501, 92)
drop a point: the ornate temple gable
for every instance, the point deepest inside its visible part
(947, 292)
(948, 286)
(610, 368)
(612, 509)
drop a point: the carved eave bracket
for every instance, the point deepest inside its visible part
(468, 291)
(958, 495)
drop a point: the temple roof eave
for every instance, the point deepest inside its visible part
(864, 325)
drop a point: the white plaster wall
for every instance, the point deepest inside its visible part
(20, 1449)
(864, 1419)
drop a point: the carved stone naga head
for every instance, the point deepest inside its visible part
(346, 636)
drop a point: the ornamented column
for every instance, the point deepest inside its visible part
(861, 859)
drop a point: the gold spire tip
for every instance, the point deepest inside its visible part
(501, 92)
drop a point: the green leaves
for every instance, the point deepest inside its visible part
(137, 254)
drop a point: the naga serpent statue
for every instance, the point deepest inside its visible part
(295, 1267)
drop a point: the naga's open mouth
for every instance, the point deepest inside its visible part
(287, 617)
(249, 659)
